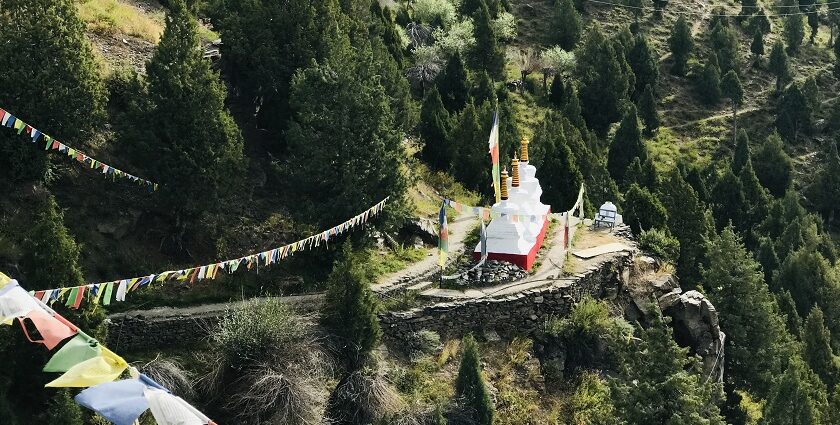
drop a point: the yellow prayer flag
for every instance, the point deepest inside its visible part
(105, 367)
(4, 280)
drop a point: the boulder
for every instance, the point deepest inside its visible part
(695, 323)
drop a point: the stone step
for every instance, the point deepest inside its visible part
(420, 286)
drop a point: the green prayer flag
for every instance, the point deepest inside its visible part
(107, 297)
(72, 298)
(78, 349)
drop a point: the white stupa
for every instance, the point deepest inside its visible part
(517, 239)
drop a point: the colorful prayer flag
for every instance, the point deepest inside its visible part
(443, 238)
(494, 155)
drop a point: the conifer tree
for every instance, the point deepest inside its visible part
(194, 150)
(836, 58)
(50, 79)
(687, 222)
(709, 82)
(787, 308)
(794, 28)
(603, 83)
(681, 43)
(811, 91)
(725, 47)
(825, 190)
(483, 89)
(779, 64)
(487, 54)
(383, 26)
(693, 175)
(817, 351)
(748, 7)
(759, 22)
(728, 200)
(794, 116)
(557, 166)
(757, 46)
(64, 410)
(797, 398)
(814, 23)
(434, 130)
(470, 386)
(730, 87)
(811, 281)
(742, 152)
(773, 166)
(572, 109)
(349, 310)
(51, 254)
(343, 138)
(768, 259)
(471, 158)
(509, 135)
(643, 211)
(645, 65)
(626, 145)
(757, 345)
(648, 112)
(642, 173)
(657, 382)
(756, 200)
(558, 93)
(567, 24)
(452, 84)
(265, 43)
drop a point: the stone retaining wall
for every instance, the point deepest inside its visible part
(519, 313)
(515, 314)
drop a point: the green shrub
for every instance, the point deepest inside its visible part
(661, 244)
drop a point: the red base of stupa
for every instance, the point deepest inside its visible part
(526, 261)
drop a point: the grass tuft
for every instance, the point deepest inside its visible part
(112, 17)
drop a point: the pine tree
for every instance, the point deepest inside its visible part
(487, 54)
(509, 135)
(730, 87)
(452, 84)
(567, 24)
(742, 152)
(836, 58)
(794, 28)
(648, 112)
(51, 254)
(693, 175)
(681, 44)
(794, 115)
(558, 93)
(797, 398)
(657, 384)
(817, 351)
(383, 26)
(811, 91)
(643, 211)
(558, 167)
(757, 46)
(603, 84)
(757, 345)
(626, 145)
(759, 22)
(773, 166)
(266, 42)
(725, 46)
(470, 386)
(787, 308)
(643, 174)
(471, 158)
(687, 222)
(434, 130)
(483, 88)
(811, 281)
(768, 259)
(349, 309)
(756, 199)
(728, 200)
(194, 150)
(748, 7)
(344, 142)
(779, 64)
(709, 82)
(64, 410)
(50, 79)
(572, 109)
(645, 65)
(814, 23)
(825, 190)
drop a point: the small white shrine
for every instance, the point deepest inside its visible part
(518, 233)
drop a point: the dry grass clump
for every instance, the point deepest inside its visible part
(170, 374)
(269, 366)
(111, 17)
(364, 396)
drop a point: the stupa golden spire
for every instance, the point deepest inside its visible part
(514, 168)
(523, 147)
(504, 184)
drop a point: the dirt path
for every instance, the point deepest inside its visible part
(458, 230)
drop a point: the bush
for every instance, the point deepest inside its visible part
(661, 244)
(470, 387)
(439, 13)
(363, 396)
(424, 342)
(268, 365)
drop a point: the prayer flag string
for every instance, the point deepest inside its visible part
(102, 292)
(49, 143)
(85, 363)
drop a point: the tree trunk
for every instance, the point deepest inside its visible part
(735, 123)
(545, 82)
